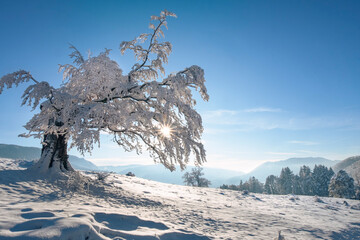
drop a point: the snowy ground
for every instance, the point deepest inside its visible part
(133, 208)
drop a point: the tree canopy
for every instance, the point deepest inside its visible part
(143, 109)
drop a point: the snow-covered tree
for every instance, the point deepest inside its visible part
(286, 181)
(143, 109)
(321, 179)
(296, 185)
(255, 185)
(305, 181)
(194, 178)
(341, 185)
(272, 185)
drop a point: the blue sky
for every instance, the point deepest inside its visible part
(283, 76)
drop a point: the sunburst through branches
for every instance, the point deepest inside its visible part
(166, 131)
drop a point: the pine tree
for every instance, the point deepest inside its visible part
(297, 186)
(305, 180)
(286, 181)
(321, 179)
(341, 185)
(271, 185)
(255, 185)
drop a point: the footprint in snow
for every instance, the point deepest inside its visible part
(26, 209)
(125, 222)
(32, 225)
(37, 215)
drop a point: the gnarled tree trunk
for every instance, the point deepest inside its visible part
(54, 155)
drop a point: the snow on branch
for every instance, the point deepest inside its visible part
(78, 58)
(141, 110)
(15, 78)
(34, 93)
(144, 70)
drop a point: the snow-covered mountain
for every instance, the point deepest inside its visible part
(81, 207)
(274, 168)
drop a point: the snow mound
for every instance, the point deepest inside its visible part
(82, 206)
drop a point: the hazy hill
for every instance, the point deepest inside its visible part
(19, 152)
(161, 174)
(268, 168)
(33, 153)
(351, 165)
(152, 172)
(346, 163)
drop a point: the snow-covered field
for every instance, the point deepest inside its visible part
(133, 208)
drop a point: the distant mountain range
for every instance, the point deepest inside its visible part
(154, 172)
(19, 152)
(274, 168)
(159, 173)
(33, 153)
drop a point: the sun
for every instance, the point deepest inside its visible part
(166, 131)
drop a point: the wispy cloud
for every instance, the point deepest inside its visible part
(244, 120)
(220, 113)
(262, 109)
(281, 153)
(237, 119)
(226, 112)
(308, 152)
(307, 143)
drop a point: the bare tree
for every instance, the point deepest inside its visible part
(194, 178)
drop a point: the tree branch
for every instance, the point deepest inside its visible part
(147, 51)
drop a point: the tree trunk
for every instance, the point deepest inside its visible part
(54, 155)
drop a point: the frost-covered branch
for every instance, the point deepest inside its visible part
(33, 94)
(78, 58)
(141, 71)
(15, 78)
(96, 96)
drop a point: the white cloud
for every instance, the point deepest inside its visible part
(307, 143)
(262, 109)
(242, 120)
(307, 152)
(281, 153)
(219, 113)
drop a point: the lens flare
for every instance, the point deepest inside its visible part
(166, 131)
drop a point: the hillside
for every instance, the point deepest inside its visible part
(19, 152)
(33, 153)
(158, 172)
(274, 168)
(150, 172)
(351, 165)
(133, 208)
(346, 163)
